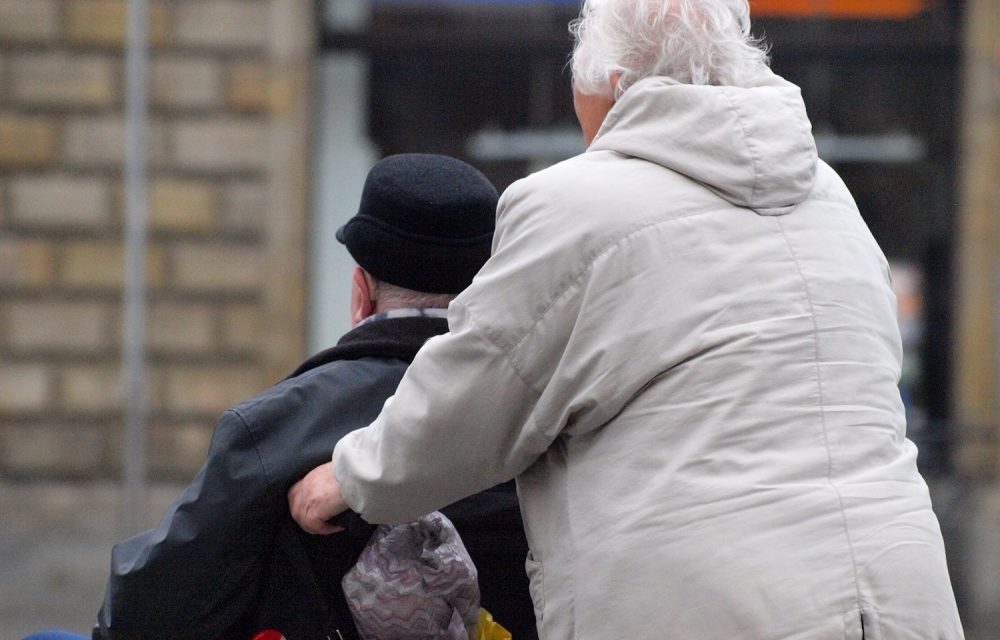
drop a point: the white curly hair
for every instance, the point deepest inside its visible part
(704, 42)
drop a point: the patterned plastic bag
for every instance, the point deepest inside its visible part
(414, 581)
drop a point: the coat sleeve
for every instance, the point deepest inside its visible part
(195, 573)
(476, 407)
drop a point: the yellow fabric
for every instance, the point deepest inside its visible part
(489, 629)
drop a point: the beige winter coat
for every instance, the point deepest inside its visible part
(685, 348)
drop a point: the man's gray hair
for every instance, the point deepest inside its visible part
(702, 42)
(390, 296)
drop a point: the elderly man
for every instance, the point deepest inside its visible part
(684, 347)
(227, 561)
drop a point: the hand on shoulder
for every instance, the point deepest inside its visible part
(315, 499)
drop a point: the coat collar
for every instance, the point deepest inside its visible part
(395, 338)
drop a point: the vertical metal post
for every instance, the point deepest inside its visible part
(134, 297)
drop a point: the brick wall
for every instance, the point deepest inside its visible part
(977, 377)
(227, 217)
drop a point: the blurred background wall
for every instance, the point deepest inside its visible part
(228, 209)
(264, 118)
(226, 276)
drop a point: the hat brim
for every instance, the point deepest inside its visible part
(411, 263)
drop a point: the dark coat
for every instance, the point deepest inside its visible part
(227, 560)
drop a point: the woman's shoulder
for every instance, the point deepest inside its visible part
(580, 173)
(595, 196)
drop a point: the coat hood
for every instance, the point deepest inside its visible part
(751, 145)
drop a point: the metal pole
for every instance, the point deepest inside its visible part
(134, 297)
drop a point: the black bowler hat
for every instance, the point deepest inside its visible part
(425, 223)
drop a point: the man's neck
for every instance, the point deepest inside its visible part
(408, 312)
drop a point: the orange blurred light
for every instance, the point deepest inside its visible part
(865, 9)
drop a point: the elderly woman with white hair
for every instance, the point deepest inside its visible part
(684, 347)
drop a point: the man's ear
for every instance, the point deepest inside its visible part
(362, 304)
(615, 77)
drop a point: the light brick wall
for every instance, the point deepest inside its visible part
(227, 217)
(27, 141)
(63, 79)
(24, 21)
(977, 377)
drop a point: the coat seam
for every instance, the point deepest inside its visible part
(822, 413)
(573, 283)
(754, 160)
(256, 448)
(503, 352)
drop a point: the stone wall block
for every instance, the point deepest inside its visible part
(4, 64)
(26, 263)
(249, 87)
(209, 390)
(186, 82)
(98, 388)
(99, 141)
(53, 449)
(222, 24)
(104, 22)
(181, 328)
(244, 206)
(27, 141)
(28, 20)
(91, 388)
(60, 200)
(183, 205)
(64, 79)
(206, 268)
(101, 264)
(178, 451)
(69, 326)
(24, 387)
(220, 144)
(241, 327)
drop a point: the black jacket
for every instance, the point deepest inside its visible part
(227, 560)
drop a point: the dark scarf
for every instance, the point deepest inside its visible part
(397, 338)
